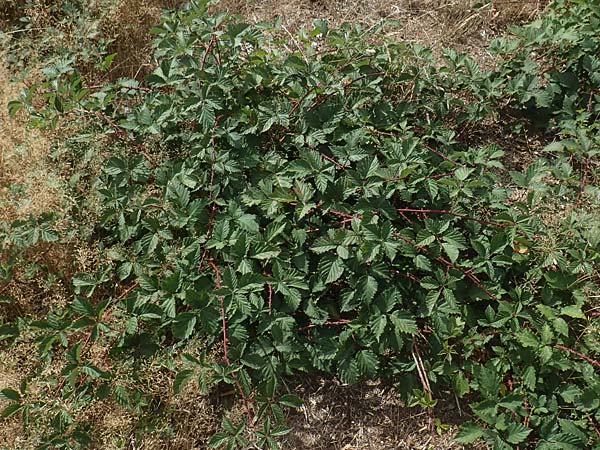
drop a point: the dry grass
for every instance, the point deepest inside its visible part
(128, 25)
(28, 184)
(171, 422)
(432, 23)
(369, 416)
(12, 428)
(15, 362)
(124, 24)
(182, 422)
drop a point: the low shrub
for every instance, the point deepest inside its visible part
(324, 211)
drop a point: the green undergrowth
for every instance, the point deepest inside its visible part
(333, 211)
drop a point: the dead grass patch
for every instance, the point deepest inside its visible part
(178, 422)
(432, 23)
(15, 362)
(128, 24)
(367, 416)
(28, 184)
(119, 26)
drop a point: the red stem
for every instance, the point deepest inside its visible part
(450, 265)
(594, 425)
(208, 48)
(121, 133)
(447, 263)
(586, 169)
(326, 324)
(223, 315)
(135, 88)
(345, 215)
(441, 155)
(297, 104)
(593, 362)
(213, 210)
(527, 418)
(446, 211)
(83, 348)
(270, 298)
(245, 399)
(330, 159)
(128, 290)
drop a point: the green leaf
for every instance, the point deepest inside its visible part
(148, 283)
(121, 396)
(169, 307)
(172, 283)
(589, 399)
(367, 362)
(124, 270)
(423, 263)
(560, 280)
(82, 306)
(84, 283)
(348, 371)
(254, 361)
(218, 440)
(451, 250)
(331, 268)
(94, 371)
(517, 433)
(270, 385)
(463, 173)
(10, 394)
(280, 431)
(527, 339)
(291, 400)
(367, 288)
(561, 326)
(530, 378)
(183, 325)
(432, 188)
(378, 326)
(11, 410)
(572, 311)
(8, 332)
(247, 222)
(131, 325)
(14, 107)
(469, 433)
(461, 384)
(488, 379)
(404, 323)
(267, 254)
(512, 401)
(181, 379)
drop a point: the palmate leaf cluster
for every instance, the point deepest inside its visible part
(331, 210)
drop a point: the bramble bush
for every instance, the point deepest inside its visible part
(326, 211)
